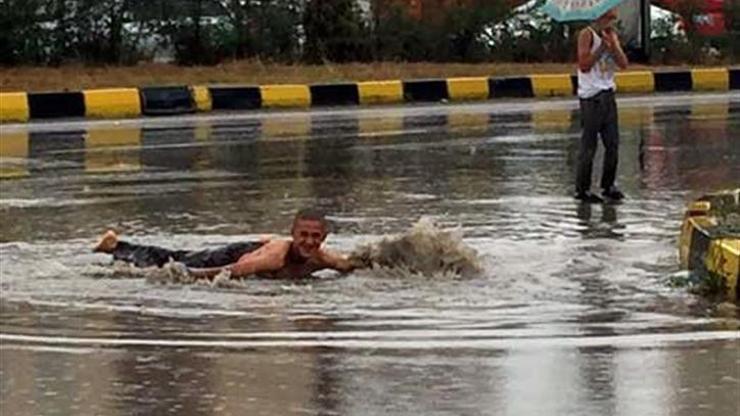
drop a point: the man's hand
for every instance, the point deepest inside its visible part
(360, 261)
(610, 38)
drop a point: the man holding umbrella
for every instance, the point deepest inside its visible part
(599, 54)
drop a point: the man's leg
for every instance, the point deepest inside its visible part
(146, 256)
(219, 257)
(590, 122)
(610, 139)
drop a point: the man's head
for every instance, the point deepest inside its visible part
(607, 19)
(309, 231)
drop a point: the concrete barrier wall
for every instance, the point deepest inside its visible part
(706, 252)
(155, 101)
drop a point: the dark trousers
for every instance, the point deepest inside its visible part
(146, 256)
(598, 117)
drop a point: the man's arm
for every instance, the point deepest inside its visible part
(268, 258)
(586, 59)
(615, 47)
(339, 262)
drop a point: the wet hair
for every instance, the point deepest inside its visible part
(312, 214)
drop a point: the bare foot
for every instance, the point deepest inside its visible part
(107, 243)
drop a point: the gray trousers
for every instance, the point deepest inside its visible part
(598, 117)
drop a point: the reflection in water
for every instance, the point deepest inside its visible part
(606, 226)
(570, 315)
(672, 156)
(328, 162)
(14, 155)
(179, 383)
(111, 150)
(596, 378)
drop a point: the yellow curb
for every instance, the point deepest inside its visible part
(380, 92)
(462, 89)
(636, 81)
(551, 85)
(112, 103)
(202, 97)
(14, 106)
(285, 95)
(710, 79)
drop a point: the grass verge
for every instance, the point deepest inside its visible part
(77, 77)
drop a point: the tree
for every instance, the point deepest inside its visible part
(20, 39)
(335, 30)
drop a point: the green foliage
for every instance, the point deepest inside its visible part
(725, 210)
(458, 35)
(398, 37)
(193, 35)
(700, 282)
(732, 24)
(266, 29)
(56, 31)
(531, 36)
(51, 32)
(708, 284)
(19, 38)
(668, 43)
(675, 40)
(275, 35)
(464, 28)
(335, 31)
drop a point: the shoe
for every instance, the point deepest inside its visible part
(107, 243)
(613, 193)
(588, 197)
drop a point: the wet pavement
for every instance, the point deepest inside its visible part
(574, 314)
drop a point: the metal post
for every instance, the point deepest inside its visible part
(645, 29)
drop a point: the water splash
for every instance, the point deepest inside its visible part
(424, 250)
(177, 273)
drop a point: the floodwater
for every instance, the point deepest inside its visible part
(574, 312)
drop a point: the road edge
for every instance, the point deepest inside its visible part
(116, 103)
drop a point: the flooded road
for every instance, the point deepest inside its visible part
(575, 312)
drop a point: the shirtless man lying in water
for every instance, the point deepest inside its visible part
(283, 259)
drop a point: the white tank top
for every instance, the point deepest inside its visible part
(601, 75)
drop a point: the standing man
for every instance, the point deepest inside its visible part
(599, 52)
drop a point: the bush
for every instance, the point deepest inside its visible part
(335, 31)
(530, 36)
(51, 32)
(276, 35)
(19, 42)
(675, 42)
(398, 37)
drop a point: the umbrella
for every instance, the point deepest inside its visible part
(570, 10)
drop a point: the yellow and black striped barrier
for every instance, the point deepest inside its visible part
(710, 239)
(152, 101)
